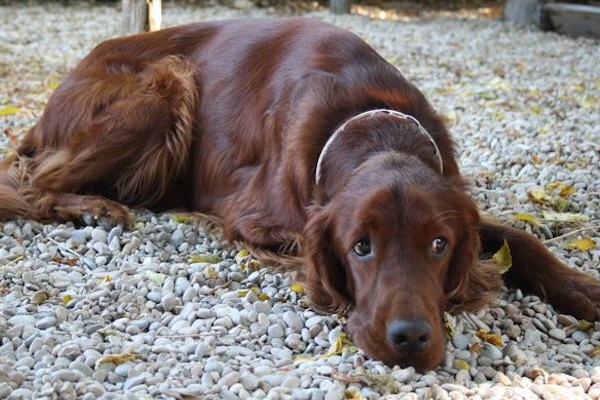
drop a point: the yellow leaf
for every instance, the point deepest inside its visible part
(297, 287)
(9, 111)
(462, 364)
(492, 338)
(538, 195)
(342, 342)
(205, 258)
(567, 190)
(52, 85)
(211, 273)
(156, 277)
(584, 325)
(242, 253)
(560, 204)
(352, 395)
(449, 325)
(529, 218)
(565, 217)
(581, 244)
(253, 265)
(117, 359)
(263, 297)
(66, 299)
(503, 257)
(254, 289)
(106, 279)
(182, 219)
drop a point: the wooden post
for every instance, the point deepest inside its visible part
(154, 15)
(141, 16)
(340, 6)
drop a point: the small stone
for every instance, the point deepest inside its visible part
(293, 321)
(557, 334)
(460, 341)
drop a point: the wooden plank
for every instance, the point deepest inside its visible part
(574, 19)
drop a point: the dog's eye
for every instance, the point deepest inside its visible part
(438, 246)
(362, 248)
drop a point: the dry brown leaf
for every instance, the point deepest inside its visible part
(489, 337)
(118, 358)
(40, 297)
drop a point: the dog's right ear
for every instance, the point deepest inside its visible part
(326, 279)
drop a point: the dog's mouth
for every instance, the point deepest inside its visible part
(410, 341)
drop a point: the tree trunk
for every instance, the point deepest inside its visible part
(141, 16)
(340, 6)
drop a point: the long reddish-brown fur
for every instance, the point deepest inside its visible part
(229, 119)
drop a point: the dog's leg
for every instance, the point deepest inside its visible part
(534, 269)
(133, 151)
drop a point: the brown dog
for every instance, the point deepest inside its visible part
(286, 131)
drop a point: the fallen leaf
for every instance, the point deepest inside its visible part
(503, 257)
(462, 364)
(155, 277)
(581, 244)
(526, 217)
(564, 217)
(205, 258)
(182, 219)
(476, 348)
(489, 337)
(66, 261)
(242, 253)
(584, 325)
(211, 272)
(352, 394)
(117, 359)
(595, 351)
(341, 343)
(66, 299)
(449, 325)
(9, 111)
(106, 332)
(537, 195)
(560, 204)
(40, 297)
(297, 287)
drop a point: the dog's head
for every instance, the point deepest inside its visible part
(398, 244)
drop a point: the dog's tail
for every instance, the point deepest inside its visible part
(14, 180)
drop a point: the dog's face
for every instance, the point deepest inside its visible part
(398, 243)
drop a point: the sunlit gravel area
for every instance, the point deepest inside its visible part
(168, 310)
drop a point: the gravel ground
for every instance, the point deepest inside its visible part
(169, 311)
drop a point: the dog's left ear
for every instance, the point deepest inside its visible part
(325, 274)
(471, 283)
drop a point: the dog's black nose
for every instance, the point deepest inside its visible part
(409, 335)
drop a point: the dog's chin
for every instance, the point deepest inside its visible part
(376, 346)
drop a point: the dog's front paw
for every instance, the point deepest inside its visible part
(578, 295)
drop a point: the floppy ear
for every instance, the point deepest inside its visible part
(471, 283)
(325, 274)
